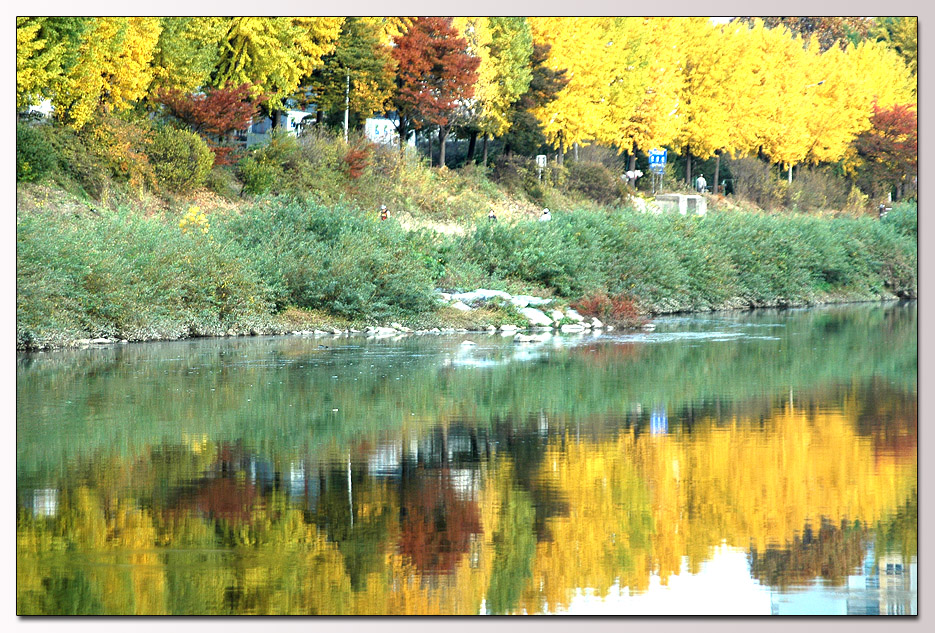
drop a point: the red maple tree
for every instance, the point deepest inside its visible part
(436, 76)
(890, 148)
(216, 114)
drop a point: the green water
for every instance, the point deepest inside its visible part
(760, 462)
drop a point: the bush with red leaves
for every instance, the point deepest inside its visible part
(617, 310)
(356, 161)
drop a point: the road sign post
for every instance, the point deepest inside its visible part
(657, 165)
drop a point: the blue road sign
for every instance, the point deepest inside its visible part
(657, 160)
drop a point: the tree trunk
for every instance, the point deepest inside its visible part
(472, 143)
(277, 118)
(688, 165)
(631, 166)
(402, 134)
(576, 152)
(442, 136)
(485, 149)
(717, 169)
(560, 159)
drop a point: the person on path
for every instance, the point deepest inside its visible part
(384, 214)
(546, 216)
(701, 184)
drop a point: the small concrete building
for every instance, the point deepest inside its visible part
(683, 203)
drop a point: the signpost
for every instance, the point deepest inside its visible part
(657, 165)
(541, 162)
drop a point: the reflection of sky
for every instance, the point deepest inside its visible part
(724, 586)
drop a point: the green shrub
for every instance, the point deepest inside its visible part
(336, 259)
(594, 180)
(277, 168)
(757, 182)
(181, 159)
(673, 262)
(125, 276)
(904, 219)
(35, 157)
(257, 175)
(817, 189)
(77, 164)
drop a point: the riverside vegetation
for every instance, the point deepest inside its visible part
(288, 240)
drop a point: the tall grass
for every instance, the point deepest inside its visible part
(125, 276)
(122, 275)
(671, 262)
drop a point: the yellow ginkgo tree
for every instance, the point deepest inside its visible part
(115, 68)
(580, 46)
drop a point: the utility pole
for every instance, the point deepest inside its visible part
(347, 104)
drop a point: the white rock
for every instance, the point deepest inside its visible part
(572, 327)
(609, 328)
(574, 315)
(435, 330)
(457, 305)
(556, 315)
(446, 296)
(481, 294)
(595, 322)
(468, 343)
(532, 301)
(520, 302)
(337, 331)
(535, 316)
(649, 327)
(523, 338)
(508, 327)
(396, 325)
(100, 341)
(491, 328)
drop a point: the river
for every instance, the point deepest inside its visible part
(736, 463)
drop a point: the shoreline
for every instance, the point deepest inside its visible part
(387, 332)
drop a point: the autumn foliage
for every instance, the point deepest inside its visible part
(356, 160)
(619, 310)
(435, 74)
(215, 114)
(891, 145)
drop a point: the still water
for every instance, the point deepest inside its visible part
(745, 463)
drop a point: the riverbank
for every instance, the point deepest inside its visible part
(285, 266)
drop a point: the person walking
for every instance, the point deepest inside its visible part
(384, 214)
(701, 184)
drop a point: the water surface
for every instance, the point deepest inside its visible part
(746, 463)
